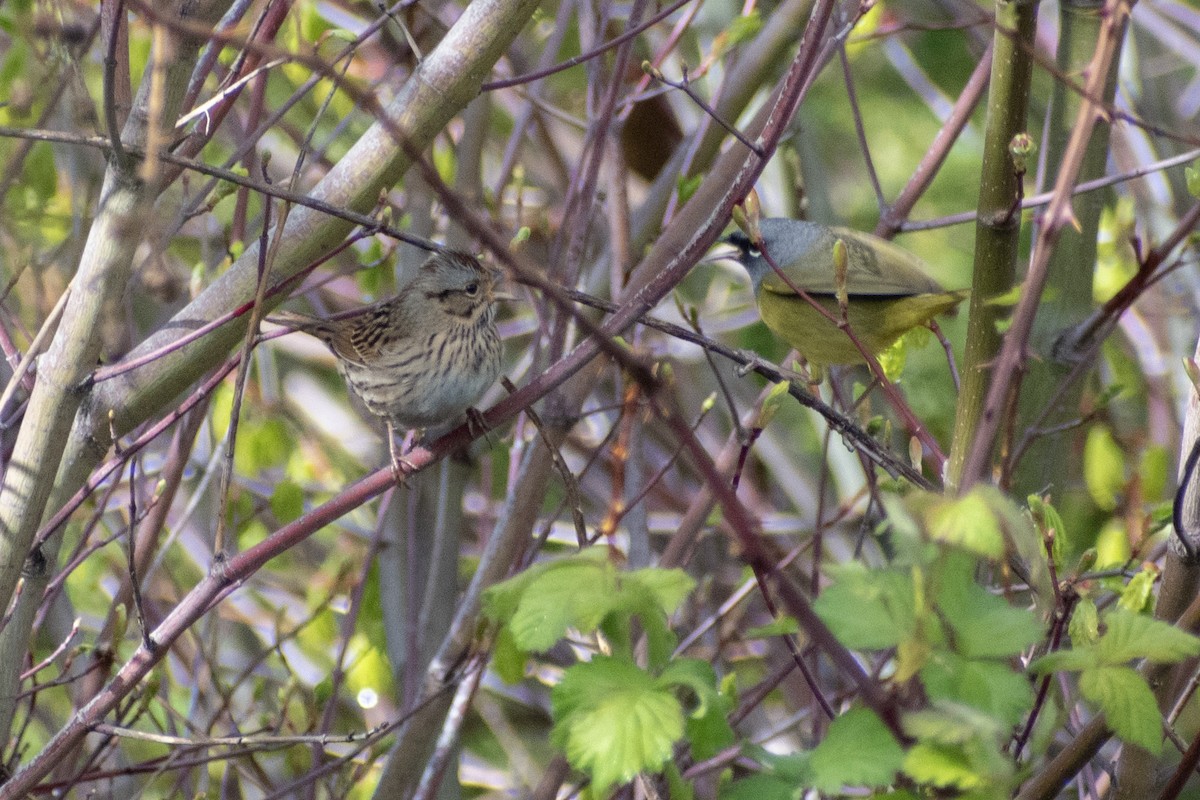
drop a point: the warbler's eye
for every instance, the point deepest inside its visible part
(472, 289)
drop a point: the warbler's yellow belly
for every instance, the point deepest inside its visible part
(876, 322)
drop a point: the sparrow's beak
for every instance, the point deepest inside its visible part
(500, 287)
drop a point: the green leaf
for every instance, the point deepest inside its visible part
(953, 724)
(572, 595)
(970, 521)
(688, 186)
(944, 766)
(869, 609)
(1154, 470)
(262, 445)
(613, 721)
(1084, 627)
(711, 733)
(1112, 546)
(693, 674)
(959, 746)
(501, 600)
(41, 176)
(540, 604)
(375, 281)
(677, 787)
(1103, 467)
(650, 594)
(993, 688)
(445, 161)
(792, 766)
(1192, 176)
(783, 626)
(1074, 660)
(669, 587)
(903, 534)
(1161, 515)
(708, 728)
(508, 660)
(762, 787)
(584, 592)
(660, 638)
(341, 34)
(858, 750)
(287, 501)
(1115, 258)
(1138, 594)
(1049, 525)
(370, 670)
(912, 654)
(1128, 704)
(1129, 636)
(744, 28)
(893, 357)
(985, 626)
(220, 407)
(312, 24)
(772, 402)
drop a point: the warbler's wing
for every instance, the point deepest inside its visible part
(875, 267)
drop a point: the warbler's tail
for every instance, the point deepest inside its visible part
(954, 298)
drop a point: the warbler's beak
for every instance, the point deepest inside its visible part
(721, 255)
(504, 296)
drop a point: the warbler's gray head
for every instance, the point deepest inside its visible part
(789, 241)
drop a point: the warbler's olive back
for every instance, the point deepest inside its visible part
(888, 290)
(804, 251)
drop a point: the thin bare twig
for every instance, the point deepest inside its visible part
(135, 587)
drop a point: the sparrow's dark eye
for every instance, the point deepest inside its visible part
(472, 289)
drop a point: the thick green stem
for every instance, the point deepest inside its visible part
(998, 230)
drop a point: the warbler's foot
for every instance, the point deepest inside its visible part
(752, 362)
(801, 374)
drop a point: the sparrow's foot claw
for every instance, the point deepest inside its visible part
(476, 424)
